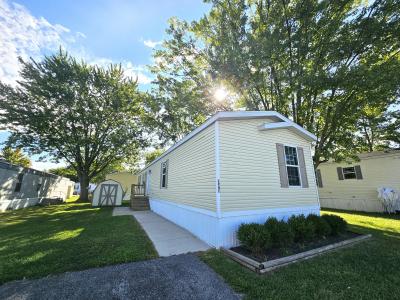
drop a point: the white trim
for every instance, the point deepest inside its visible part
(232, 115)
(315, 181)
(187, 207)
(289, 125)
(278, 210)
(217, 171)
(295, 166)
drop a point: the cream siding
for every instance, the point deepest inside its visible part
(191, 173)
(126, 179)
(249, 173)
(353, 194)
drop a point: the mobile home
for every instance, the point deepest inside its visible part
(354, 186)
(237, 167)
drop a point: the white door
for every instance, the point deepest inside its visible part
(148, 182)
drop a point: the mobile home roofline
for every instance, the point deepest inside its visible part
(236, 115)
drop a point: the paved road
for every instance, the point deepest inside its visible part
(174, 277)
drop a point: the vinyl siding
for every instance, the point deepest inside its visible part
(191, 173)
(249, 173)
(126, 179)
(353, 194)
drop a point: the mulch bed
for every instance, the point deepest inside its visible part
(275, 253)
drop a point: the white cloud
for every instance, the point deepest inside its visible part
(24, 35)
(151, 44)
(21, 34)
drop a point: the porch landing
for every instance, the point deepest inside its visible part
(167, 237)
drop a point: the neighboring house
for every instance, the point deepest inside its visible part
(126, 179)
(22, 187)
(237, 167)
(354, 186)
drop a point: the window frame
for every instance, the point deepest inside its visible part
(18, 186)
(353, 172)
(162, 181)
(290, 165)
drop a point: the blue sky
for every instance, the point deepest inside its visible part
(101, 32)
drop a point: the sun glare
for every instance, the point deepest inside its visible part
(220, 94)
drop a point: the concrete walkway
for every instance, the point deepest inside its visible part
(175, 277)
(167, 237)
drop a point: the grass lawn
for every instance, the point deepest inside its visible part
(369, 270)
(38, 241)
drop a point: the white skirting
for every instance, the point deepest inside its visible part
(220, 232)
(17, 203)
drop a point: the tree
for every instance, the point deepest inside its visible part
(67, 172)
(15, 156)
(71, 173)
(182, 94)
(68, 110)
(152, 155)
(318, 62)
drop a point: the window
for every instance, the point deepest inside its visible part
(19, 182)
(292, 166)
(349, 173)
(164, 174)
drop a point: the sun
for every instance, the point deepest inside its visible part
(220, 94)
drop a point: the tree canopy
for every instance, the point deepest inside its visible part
(68, 110)
(15, 156)
(328, 65)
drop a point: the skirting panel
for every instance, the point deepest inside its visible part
(230, 222)
(221, 232)
(201, 223)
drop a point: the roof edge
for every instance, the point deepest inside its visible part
(230, 115)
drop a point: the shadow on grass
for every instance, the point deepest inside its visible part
(44, 240)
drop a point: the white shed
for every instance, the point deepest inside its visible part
(238, 167)
(108, 193)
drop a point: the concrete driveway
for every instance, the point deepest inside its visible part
(167, 237)
(175, 277)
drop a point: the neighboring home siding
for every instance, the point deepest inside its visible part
(51, 185)
(191, 173)
(354, 194)
(249, 168)
(126, 179)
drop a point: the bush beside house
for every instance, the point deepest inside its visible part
(297, 230)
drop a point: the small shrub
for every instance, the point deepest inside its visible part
(322, 227)
(338, 225)
(302, 229)
(255, 237)
(281, 233)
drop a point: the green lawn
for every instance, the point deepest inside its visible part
(369, 270)
(38, 241)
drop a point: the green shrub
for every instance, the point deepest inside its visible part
(302, 229)
(322, 227)
(281, 233)
(255, 237)
(338, 225)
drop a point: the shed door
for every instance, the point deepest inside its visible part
(108, 194)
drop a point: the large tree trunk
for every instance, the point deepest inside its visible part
(84, 182)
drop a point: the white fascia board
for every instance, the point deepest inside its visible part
(291, 126)
(234, 115)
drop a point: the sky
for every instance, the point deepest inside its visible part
(100, 32)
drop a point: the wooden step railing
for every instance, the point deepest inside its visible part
(138, 190)
(139, 199)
